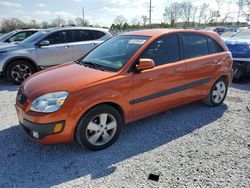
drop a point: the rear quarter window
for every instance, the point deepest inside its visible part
(213, 46)
(97, 34)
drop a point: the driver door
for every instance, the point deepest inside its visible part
(57, 52)
(161, 87)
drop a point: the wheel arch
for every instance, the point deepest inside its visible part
(32, 62)
(112, 104)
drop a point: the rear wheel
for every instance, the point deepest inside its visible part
(18, 70)
(99, 127)
(217, 93)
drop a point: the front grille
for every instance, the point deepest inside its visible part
(21, 97)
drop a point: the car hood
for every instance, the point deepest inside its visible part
(239, 47)
(12, 46)
(67, 77)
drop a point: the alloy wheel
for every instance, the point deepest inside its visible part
(20, 72)
(101, 129)
(219, 92)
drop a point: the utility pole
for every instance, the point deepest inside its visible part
(150, 10)
(83, 14)
(59, 20)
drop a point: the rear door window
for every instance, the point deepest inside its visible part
(194, 45)
(164, 50)
(82, 35)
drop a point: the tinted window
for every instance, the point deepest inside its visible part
(213, 46)
(194, 45)
(164, 50)
(97, 34)
(82, 35)
(58, 37)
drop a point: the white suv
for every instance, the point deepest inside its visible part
(48, 48)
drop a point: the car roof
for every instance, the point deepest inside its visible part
(159, 32)
(76, 28)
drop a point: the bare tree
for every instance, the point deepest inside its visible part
(80, 22)
(226, 16)
(172, 13)
(70, 22)
(120, 20)
(144, 19)
(11, 24)
(240, 4)
(135, 21)
(58, 22)
(217, 14)
(44, 24)
(203, 13)
(187, 10)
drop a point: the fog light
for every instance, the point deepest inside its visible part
(35, 134)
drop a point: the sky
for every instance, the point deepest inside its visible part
(97, 12)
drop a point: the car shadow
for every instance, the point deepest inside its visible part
(5, 85)
(243, 85)
(28, 164)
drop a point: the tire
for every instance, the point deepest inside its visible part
(95, 135)
(17, 71)
(214, 98)
(239, 71)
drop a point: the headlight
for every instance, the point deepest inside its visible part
(49, 102)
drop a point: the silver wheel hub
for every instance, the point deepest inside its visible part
(219, 92)
(20, 72)
(101, 129)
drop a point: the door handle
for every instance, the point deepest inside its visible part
(67, 46)
(178, 70)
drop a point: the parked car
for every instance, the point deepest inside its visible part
(17, 35)
(48, 48)
(240, 49)
(129, 77)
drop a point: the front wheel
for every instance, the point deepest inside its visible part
(217, 93)
(18, 70)
(99, 127)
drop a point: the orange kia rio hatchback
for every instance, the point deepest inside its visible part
(129, 77)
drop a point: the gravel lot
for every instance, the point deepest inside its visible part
(190, 146)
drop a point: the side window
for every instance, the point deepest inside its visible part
(82, 35)
(97, 34)
(164, 50)
(59, 37)
(18, 37)
(194, 45)
(213, 47)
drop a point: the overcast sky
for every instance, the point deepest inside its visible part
(101, 12)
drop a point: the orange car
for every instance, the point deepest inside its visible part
(129, 77)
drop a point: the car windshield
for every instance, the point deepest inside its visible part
(34, 38)
(114, 53)
(7, 35)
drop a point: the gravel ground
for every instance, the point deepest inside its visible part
(190, 146)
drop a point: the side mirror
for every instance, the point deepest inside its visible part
(44, 43)
(145, 64)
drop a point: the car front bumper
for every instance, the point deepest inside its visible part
(45, 128)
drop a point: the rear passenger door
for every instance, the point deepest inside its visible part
(201, 59)
(85, 40)
(162, 87)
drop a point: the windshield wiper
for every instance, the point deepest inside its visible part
(90, 64)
